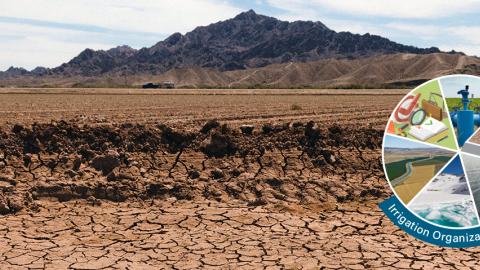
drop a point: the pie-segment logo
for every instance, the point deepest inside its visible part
(431, 158)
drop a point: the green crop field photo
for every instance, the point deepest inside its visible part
(457, 102)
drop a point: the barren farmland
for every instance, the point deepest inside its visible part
(192, 108)
(182, 179)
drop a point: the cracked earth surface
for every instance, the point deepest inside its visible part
(187, 235)
(216, 195)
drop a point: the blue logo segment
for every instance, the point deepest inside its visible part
(422, 230)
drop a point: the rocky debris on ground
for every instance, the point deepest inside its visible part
(294, 163)
(135, 196)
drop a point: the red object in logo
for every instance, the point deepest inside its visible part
(402, 114)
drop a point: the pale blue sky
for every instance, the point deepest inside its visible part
(451, 85)
(396, 142)
(50, 32)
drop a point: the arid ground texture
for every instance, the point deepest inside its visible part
(187, 179)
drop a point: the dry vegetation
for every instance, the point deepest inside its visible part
(184, 179)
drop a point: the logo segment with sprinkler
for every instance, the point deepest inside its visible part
(431, 158)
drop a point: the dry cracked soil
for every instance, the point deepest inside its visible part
(220, 195)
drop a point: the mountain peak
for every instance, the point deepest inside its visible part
(251, 12)
(249, 15)
(249, 40)
(123, 50)
(13, 69)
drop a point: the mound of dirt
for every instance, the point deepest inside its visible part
(291, 163)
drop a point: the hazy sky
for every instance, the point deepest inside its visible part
(395, 142)
(451, 85)
(50, 32)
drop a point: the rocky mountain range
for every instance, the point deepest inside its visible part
(224, 50)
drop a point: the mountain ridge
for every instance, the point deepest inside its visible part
(391, 71)
(247, 43)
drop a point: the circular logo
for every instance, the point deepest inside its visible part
(431, 158)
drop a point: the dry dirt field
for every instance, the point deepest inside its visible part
(192, 108)
(187, 179)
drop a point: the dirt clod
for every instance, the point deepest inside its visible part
(4, 209)
(218, 145)
(107, 162)
(217, 173)
(247, 129)
(193, 174)
(211, 124)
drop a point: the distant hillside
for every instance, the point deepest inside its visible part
(249, 50)
(392, 70)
